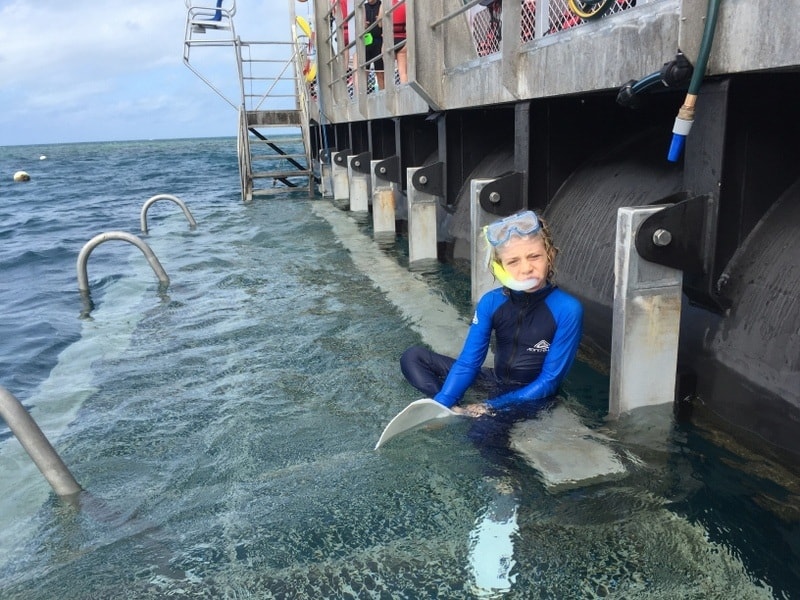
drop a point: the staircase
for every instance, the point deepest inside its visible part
(270, 96)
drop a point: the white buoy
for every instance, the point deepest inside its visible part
(43, 157)
(21, 176)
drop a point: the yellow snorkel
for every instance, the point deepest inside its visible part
(506, 280)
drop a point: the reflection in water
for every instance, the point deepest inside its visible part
(491, 545)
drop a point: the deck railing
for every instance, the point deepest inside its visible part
(266, 78)
(348, 75)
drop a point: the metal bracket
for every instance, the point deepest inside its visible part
(429, 179)
(325, 155)
(674, 237)
(388, 169)
(503, 195)
(340, 157)
(361, 162)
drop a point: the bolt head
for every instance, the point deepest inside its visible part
(662, 237)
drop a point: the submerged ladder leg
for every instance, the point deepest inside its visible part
(37, 446)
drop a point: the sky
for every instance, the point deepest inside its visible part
(112, 70)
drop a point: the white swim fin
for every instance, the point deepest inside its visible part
(414, 414)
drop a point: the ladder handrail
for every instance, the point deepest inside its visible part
(175, 199)
(83, 256)
(197, 25)
(36, 444)
(280, 77)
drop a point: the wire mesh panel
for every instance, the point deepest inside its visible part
(487, 27)
(527, 21)
(565, 14)
(561, 17)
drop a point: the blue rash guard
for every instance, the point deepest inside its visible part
(536, 335)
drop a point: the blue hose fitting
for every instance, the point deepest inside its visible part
(676, 147)
(680, 130)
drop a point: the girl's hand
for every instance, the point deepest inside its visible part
(472, 410)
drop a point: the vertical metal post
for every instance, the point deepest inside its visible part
(421, 221)
(36, 445)
(383, 210)
(374, 180)
(325, 185)
(542, 19)
(482, 279)
(341, 184)
(359, 184)
(647, 314)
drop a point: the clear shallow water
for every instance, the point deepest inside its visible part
(224, 427)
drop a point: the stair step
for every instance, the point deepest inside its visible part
(281, 174)
(266, 118)
(277, 156)
(276, 190)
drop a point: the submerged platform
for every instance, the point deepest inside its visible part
(559, 446)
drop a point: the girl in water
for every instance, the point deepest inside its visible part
(537, 329)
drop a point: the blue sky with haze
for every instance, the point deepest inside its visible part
(107, 70)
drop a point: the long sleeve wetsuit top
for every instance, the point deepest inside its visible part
(536, 335)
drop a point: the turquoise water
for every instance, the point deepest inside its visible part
(224, 427)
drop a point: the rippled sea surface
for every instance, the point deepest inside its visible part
(223, 427)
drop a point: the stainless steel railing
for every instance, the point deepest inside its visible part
(37, 445)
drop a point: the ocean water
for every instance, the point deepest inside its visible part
(223, 426)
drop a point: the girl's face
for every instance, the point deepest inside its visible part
(525, 258)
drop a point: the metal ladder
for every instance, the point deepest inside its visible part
(272, 99)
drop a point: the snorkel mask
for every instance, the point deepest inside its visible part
(524, 223)
(498, 233)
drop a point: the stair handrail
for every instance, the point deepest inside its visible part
(213, 14)
(191, 28)
(243, 151)
(302, 95)
(281, 75)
